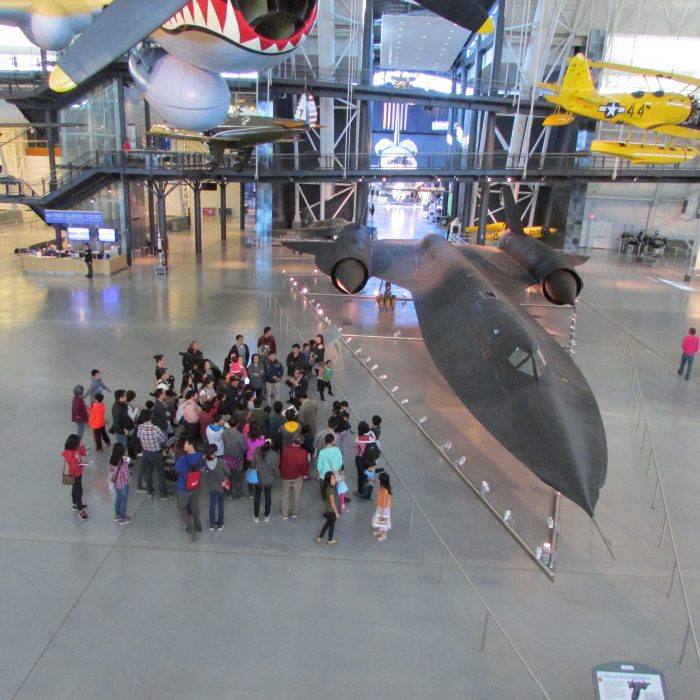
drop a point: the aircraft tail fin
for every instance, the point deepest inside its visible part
(577, 81)
(306, 110)
(216, 151)
(511, 211)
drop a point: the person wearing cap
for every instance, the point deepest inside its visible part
(79, 412)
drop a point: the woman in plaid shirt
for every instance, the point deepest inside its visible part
(119, 475)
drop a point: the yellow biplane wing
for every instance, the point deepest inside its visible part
(649, 72)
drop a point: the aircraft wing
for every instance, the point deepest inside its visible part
(649, 72)
(501, 269)
(681, 132)
(13, 17)
(170, 132)
(315, 248)
(470, 14)
(118, 28)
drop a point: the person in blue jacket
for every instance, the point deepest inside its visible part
(274, 371)
(188, 499)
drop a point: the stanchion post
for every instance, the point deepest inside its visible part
(663, 529)
(483, 634)
(673, 574)
(410, 521)
(646, 473)
(656, 490)
(685, 642)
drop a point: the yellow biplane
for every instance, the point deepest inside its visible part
(674, 114)
(496, 230)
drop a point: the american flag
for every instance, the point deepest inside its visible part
(395, 116)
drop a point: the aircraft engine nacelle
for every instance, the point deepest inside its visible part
(238, 35)
(560, 283)
(185, 96)
(349, 264)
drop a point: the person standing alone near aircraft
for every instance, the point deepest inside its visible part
(690, 345)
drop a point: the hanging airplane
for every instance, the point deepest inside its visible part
(674, 114)
(321, 229)
(239, 133)
(197, 41)
(497, 229)
(506, 369)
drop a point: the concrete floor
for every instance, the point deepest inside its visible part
(90, 609)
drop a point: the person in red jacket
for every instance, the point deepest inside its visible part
(690, 346)
(79, 412)
(97, 422)
(294, 466)
(73, 454)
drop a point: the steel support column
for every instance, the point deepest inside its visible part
(126, 231)
(326, 64)
(222, 207)
(197, 204)
(151, 215)
(484, 195)
(365, 115)
(161, 241)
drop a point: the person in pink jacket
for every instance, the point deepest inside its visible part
(689, 345)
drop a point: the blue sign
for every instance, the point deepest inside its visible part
(63, 216)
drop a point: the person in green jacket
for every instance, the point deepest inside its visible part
(324, 379)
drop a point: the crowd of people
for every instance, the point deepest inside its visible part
(232, 433)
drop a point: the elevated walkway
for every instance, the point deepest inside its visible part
(95, 169)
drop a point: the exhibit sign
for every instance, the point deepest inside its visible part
(621, 680)
(81, 218)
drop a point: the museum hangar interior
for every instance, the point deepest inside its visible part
(503, 575)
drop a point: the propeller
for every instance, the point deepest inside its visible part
(118, 28)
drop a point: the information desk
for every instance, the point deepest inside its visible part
(49, 265)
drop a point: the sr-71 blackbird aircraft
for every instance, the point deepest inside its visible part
(505, 368)
(199, 40)
(675, 114)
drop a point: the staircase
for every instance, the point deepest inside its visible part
(67, 185)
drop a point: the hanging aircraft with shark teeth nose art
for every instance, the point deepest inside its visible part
(200, 39)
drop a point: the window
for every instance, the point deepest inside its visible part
(531, 364)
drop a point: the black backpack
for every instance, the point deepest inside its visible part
(371, 453)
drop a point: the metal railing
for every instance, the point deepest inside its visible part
(281, 315)
(408, 80)
(497, 166)
(641, 417)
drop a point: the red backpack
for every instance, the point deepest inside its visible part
(194, 476)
